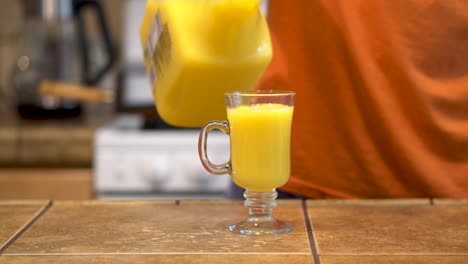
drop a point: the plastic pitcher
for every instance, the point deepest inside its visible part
(197, 50)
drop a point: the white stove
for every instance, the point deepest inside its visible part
(131, 162)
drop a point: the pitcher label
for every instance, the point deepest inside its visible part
(158, 49)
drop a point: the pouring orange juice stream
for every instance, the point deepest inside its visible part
(197, 50)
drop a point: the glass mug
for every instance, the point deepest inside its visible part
(259, 128)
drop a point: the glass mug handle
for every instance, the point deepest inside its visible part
(218, 169)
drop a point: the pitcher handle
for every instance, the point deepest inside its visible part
(217, 169)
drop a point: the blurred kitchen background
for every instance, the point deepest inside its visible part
(77, 119)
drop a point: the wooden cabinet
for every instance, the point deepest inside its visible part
(56, 184)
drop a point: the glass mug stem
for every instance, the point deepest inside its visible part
(260, 220)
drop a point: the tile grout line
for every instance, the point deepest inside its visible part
(231, 253)
(160, 253)
(310, 233)
(22, 229)
(396, 254)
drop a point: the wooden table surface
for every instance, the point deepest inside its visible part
(190, 231)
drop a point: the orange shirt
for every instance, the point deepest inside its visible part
(382, 95)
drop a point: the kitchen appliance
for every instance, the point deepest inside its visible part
(136, 158)
(58, 47)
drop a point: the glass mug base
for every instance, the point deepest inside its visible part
(270, 227)
(260, 220)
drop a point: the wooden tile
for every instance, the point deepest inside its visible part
(14, 215)
(117, 203)
(331, 202)
(103, 227)
(212, 202)
(160, 259)
(283, 202)
(23, 202)
(457, 202)
(390, 229)
(394, 259)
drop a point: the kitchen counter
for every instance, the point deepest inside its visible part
(191, 231)
(50, 143)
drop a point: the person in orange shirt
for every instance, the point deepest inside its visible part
(382, 96)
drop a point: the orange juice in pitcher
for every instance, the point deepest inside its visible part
(196, 50)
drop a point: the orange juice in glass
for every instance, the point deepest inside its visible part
(260, 139)
(259, 127)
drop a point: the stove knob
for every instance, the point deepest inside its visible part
(119, 173)
(200, 177)
(191, 169)
(205, 178)
(155, 172)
